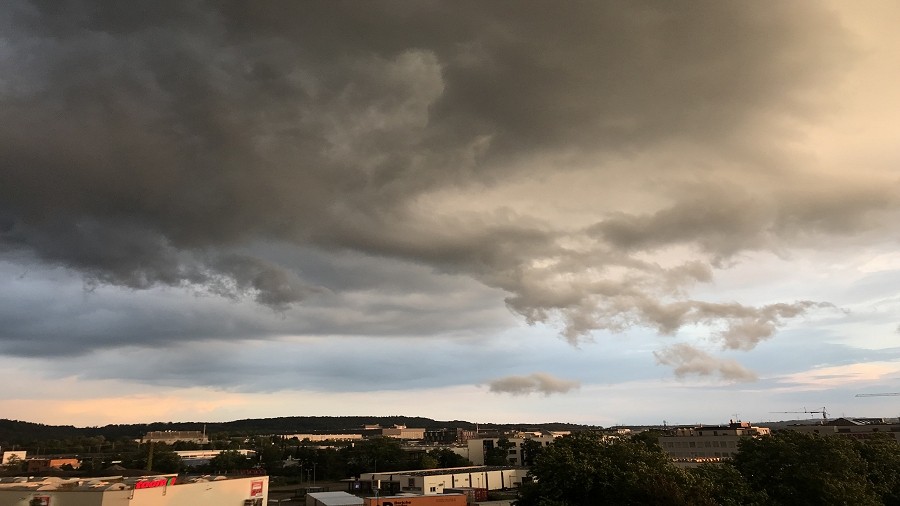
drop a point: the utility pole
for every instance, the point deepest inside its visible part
(150, 457)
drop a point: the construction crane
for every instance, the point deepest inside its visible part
(886, 394)
(822, 411)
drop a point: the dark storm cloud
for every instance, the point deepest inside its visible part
(148, 143)
(52, 313)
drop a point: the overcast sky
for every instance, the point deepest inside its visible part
(598, 212)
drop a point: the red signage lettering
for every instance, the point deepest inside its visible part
(161, 482)
(256, 488)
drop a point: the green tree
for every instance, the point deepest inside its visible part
(530, 451)
(882, 456)
(426, 461)
(727, 487)
(448, 458)
(14, 463)
(650, 438)
(156, 457)
(799, 469)
(229, 461)
(498, 455)
(584, 469)
(271, 456)
(376, 454)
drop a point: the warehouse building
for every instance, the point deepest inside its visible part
(437, 481)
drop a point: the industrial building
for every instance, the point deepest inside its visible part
(192, 458)
(479, 446)
(41, 465)
(12, 456)
(859, 428)
(158, 490)
(437, 481)
(324, 437)
(708, 443)
(403, 432)
(173, 436)
(448, 436)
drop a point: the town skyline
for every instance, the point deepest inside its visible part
(608, 213)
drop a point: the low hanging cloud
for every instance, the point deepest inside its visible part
(536, 383)
(688, 360)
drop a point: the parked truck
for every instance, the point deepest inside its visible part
(417, 500)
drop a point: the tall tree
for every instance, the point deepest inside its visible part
(585, 469)
(498, 455)
(229, 461)
(799, 469)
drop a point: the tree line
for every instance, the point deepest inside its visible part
(788, 468)
(273, 455)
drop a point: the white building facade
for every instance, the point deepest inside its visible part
(161, 490)
(434, 481)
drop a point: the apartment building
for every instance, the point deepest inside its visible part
(708, 443)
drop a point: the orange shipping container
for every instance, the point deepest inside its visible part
(418, 500)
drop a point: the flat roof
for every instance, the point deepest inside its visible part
(336, 498)
(102, 483)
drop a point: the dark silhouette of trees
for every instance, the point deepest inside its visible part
(586, 469)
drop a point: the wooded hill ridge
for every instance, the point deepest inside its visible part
(18, 432)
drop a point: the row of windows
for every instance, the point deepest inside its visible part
(694, 455)
(700, 444)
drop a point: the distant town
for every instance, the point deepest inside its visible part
(392, 461)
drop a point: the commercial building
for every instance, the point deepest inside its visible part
(709, 443)
(193, 458)
(16, 455)
(403, 432)
(479, 446)
(437, 481)
(859, 428)
(40, 465)
(324, 437)
(159, 490)
(172, 436)
(448, 436)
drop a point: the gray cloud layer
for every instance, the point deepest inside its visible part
(153, 143)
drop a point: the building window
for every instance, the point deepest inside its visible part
(433, 489)
(411, 482)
